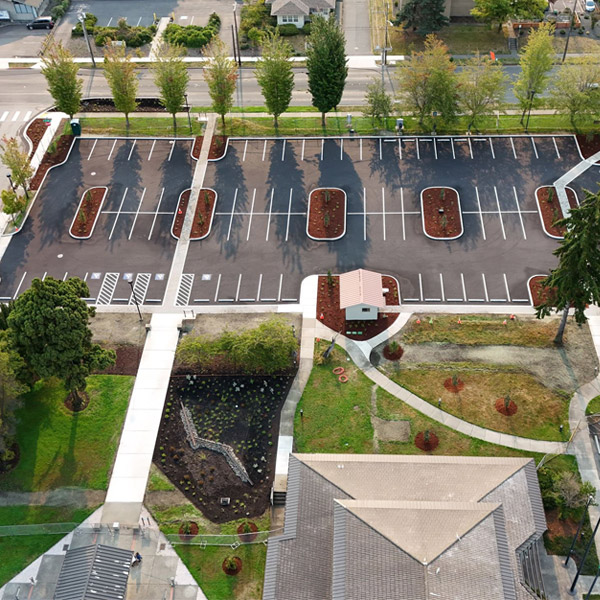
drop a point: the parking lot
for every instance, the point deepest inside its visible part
(258, 250)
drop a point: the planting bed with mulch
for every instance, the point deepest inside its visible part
(50, 160)
(588, 144)
(127, 361)
(504, 409)
(330, 313)
(232, 571)
(326, 218)
(35, 132)
(539, 293)
(454, 386)
(203, 216)
(240, 411)
(550, 210)
(89, 209)
(179, 217)
(426, 441)
(393, 353)
(250, 536)
(197, 146)
(107, 105)
(77, 403)
(218, 144)
(444, 225)
(192, 531)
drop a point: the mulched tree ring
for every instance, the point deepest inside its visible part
(326, 219)
(228, 568)
(197, 147)
(35, 132)
(452, 387)
(550, 209)
(89, 209)
(390, 354)
(218, 144)
(203, 216)
(503, 409)
(193, 530)
(179, 217)
(9, 465)
(539, 293)
(442, 218)
(50, 160)
(77, 403)
(428, 442)
(588, 144)
(247, 536)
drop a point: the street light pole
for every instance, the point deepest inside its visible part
(569, 32)
(589, 594)
(579, 527)
(187, 106)
(81, 17)
(137, 304)
(587, 549)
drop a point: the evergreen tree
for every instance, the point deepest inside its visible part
(576, 280)
(423, 16)
(326, 64)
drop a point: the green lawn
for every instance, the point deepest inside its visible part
(593, 407)
(139, 126)
(481, 330)
(19, 551)
(59, 448)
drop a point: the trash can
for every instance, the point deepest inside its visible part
(75, 126)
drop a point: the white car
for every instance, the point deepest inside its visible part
(590, 5)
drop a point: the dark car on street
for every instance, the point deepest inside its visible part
(41, 23)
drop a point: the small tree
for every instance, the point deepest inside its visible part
(120, 74)
(274, 74)
(499, 11)
(576, 280)
(378, 102)
(12, 204)
(61, 75)
(221, 75)
(423, 16)
(171, 77)
(17, 162)
(326, 64)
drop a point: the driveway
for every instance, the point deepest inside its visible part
(17, 41)
(357, 27)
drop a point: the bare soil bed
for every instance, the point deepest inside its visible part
(330, 313)
(539, 293)
(128, 359)
(549, 207)
(197, 147)
(218, 144)
(58, 156)
(240, 411)
(35, 132)
(107, 105)
(441, 213)
(589, 144)
(184, 200)
(504, 409)
(426, 441)
(327, 214)
(204, 214)
(84, 222)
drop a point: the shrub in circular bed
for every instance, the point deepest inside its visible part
(506, 406)
(426, 440)
(232, 565)
(393, 351)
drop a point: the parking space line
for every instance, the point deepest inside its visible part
(520, 300)
(303, 143)
(259, 286)
(492, 149)
(237, 291)
(534, 147)
(16, 116)
(442, 287)
(322, 147)
(435, 148)
(556, 147)
(365, 214)
(140, 288)
(418, 154)
(112, 150)
(3, 117)
(218, 286)
(380, 150)
(109, 22)
(65, 276)
(137, 213)
(251, 210)
(480, 214)
(19, 286)
(264, 150)
(421, 287)
(118, 213)
(519, 211)
(513, 147)
(152, 150)
(499, 212)
(360, 148)
(269, 221)
(342, 149)
(192, 20)
(85, 278)
(92, 150)
(287, 227)
(506, 286)
(280, 285)
(283, 151)
(400, 148)
(485, 290)
(131, 151)
(46, 273)
(139, 21)
(383, 205)
(470, 147)
(245, 148)
(247, 299)
(402, 210)
(232, 213)
(464, 287)
(172, 148)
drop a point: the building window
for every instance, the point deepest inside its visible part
(23, 8)
(366, 310)
(290, 19)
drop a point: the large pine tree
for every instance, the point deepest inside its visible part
(423, 16)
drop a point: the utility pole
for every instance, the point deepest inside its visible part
(587, 549)
(569, 32)
(81, 18)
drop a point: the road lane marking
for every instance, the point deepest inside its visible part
(287, 228)
(512, 143)
(452, 144)
(365, 214)
(237, 291)
(506, 287)
(492, 149)
(322, 147)
(464, 287)
(218, 286)
(280, 285)
(342, 149)
(259, 286)
(172, 148)
(418, 154)
(485, 290)
(421, 287)
(264, 150)
(534, 147)
(402, 210)
(400, 148)
(556, 147)
(19, 286)
(383, 206)
(442, 287)
(380, 150)
(303, 143)
(131, 151)
(435, 148)
(470, 147)
(16, 116)
(4, 115)
(360, 148)
(283, 151)
(27, 116)
(111, 150)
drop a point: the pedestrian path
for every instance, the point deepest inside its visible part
(561, 183)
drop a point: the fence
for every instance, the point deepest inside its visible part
(232, 540)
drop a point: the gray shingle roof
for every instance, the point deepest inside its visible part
(300, 7)
(97, 571)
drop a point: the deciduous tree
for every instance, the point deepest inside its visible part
(221, 76)
(50, 327)
(379, 103)
(61, 75)
(120, 74)
(275, 75)
(12, 203)
(576, 280)
(326, 64)
(499, 11)
(171, 77)
(17, 162)
(423, 16)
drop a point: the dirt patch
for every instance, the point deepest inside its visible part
(118, 329)
(218, 144)
(127, 361)
(35, 132)
(84, 222)
(589, 144)
(50, 160)
(454, 385)
(197, 146)
(330, 313)
(441, 213)
(539, 293)
(77, 403)
(327, 214)
(204, 214)
(184, 200)
(108, 105)
(504, 408)
(426, 441)
(559, 527)
(391, 431)
(550, 209)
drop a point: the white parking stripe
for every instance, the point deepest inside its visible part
(322, 147)
(264, 150)
(452, 144)
(218, 286)
(269, 221)
(232, 213)
(19, 286)
(365, 214)
(380, 150)
(556, 147)
(287, 227)
(400, 148)
(109, 22)
(360, 148)
(435, 148)
(342, 149)
(519, 211)
(383, 205)
(280, 285)
(513, 147)
(245, 149)
(492, 149)
(283, 151)
(534, 147)
(111, 150)
(303, 143)
(139, 21)
(402, 210)
(506, 287)
(237, 291)
(251, 210)
(131, 151)
(418, 154)
(499, 212)
(4, 115)
(152, 150)
(156, 213)
(421, 287)
(27, 116)
(16, 116)
(442, 287)
(480, 214)
(92, 150)
(470, 147)
(485, 290)
(464, 287)
(137, 213)
(118, 213)
(172, 148)
(46, 273)
(259, 286)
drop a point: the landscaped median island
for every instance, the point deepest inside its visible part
(326, 218)
(57, 153)
(87, 213)
(203, 215)
(551, 211)
(35, 132)
(441, 213)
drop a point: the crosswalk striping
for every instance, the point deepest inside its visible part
(107, 289)
(185, 289)
(140, 288)
(14, 116)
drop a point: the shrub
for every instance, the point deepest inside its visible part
(306, 29)
(258, 15)
(193, 36)
(288, 30)
(90, 24)
(57, 12)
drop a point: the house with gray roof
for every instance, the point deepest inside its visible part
(407, 528)
(298, 12)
